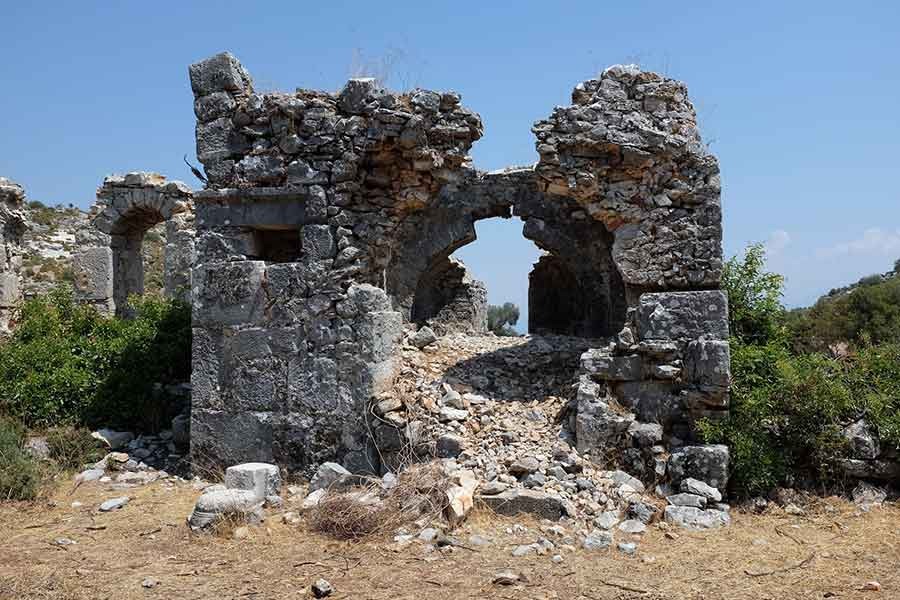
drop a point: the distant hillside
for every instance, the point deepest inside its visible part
(50, 243)
(867, 311)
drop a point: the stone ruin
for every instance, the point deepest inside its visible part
(108, 264)
(326, 230)
(12, 228)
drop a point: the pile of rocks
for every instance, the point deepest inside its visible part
(497, 407)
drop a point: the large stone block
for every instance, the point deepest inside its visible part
(93, 268)
(683, 316)
(708, 363)
(219, 73)
(603, 366)
(708, 464)
(10, 295)
(229, 293)
(263, 479)
(220, 438)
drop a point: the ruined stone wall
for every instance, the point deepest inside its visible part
(449, 300)
(12, 228)
(108, 265)
(326, 214)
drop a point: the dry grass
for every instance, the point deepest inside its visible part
(759, 557)
(369, 511)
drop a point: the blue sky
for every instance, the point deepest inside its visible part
(798, 99)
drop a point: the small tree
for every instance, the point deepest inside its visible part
(502, 318)
(755, 313)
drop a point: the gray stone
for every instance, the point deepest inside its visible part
(642, 511)
(322, 588)
(683, 316)
(690, 517)
(628, 548)
(623, 478)
(597, 540)
(607, 519)
(448, 414)
(514, 502)
(632, 526)
(423, 337)
(113, 440)
(492, 488)
(867, 495)
(114, 503)
(524, 466)
(862, 440)
(449, 446)
(687, 500)
(213, 506)
(328, 475)
(261, 478)
(708, 464)
(645, 434)
(694, 486)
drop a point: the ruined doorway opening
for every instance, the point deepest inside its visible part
(564, 283)
(127, 241)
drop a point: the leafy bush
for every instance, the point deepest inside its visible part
(755, 313)
(20, 476)
(787, 407)
(73, 447)
(66, 364)
(502, 318)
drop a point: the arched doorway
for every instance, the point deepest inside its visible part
(109, 267)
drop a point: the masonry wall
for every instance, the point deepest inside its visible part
(12, 228)
(361, 193)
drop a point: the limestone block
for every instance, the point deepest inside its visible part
(262, 479)
(9, 289)
(93, 268)
(514, 502)
(228, 293)
(708, 363)
(222, 72)
(603, 366)
(213, 506)
(708, 464)
(683, 316)
(219, 437)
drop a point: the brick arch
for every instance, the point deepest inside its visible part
(109, 266)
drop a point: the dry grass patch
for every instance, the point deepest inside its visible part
(371, 511)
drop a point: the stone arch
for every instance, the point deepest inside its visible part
(109, 266)
(582, 246)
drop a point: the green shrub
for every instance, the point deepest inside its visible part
(502, 318)
(66, 364)
(73, 447)
(789, 405)
(20, 474)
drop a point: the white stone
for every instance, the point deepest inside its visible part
(261, 478)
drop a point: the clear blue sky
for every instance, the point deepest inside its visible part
(801, 100)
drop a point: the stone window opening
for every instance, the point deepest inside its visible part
(276, 245)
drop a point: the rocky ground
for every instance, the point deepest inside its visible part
(78, 544)
(497, 406)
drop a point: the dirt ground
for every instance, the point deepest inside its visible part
(831, 552)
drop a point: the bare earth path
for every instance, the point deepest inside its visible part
(829, 553)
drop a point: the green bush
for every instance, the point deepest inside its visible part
(502, 318)
(788, 407)
(66, 364)
(20, 474)
(73, 447)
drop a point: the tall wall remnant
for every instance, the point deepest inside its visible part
(12, 228)
(329, 216)
(108, 265)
